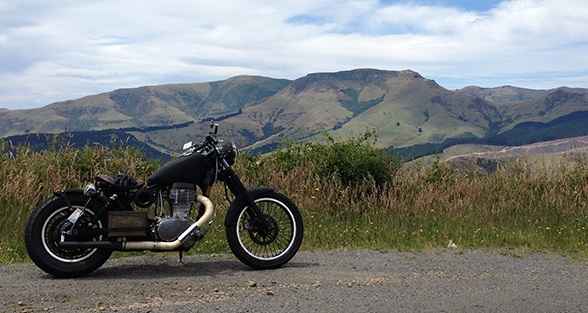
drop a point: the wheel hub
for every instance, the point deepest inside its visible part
(259, 234)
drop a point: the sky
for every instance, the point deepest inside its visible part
(66, 49)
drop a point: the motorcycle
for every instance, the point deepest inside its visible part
(75, 231)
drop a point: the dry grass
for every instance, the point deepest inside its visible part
(518, 206)
(27, 177)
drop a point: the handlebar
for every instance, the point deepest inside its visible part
(208, 143)
(215, 126)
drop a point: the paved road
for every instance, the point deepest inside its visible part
(449, 280)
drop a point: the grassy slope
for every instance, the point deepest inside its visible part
(406, 109)
(545, 109)
(143, 107)
(504, 94)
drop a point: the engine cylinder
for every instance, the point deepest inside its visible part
(181, 197)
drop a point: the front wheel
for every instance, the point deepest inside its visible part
(271, 247)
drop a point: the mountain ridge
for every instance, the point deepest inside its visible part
(405, 108)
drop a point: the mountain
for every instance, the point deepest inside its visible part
(143, 107)
(405, 108)
(510, 94)
(257, 112)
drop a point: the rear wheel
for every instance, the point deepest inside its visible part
(271, 247)
(43, 235)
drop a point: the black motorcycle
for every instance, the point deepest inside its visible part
(75, 231)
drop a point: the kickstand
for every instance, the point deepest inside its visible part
(180, 258)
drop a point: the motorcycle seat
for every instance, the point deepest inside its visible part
(122, 181)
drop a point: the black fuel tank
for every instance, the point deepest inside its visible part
(186, 169)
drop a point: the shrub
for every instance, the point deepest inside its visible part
(349, 162)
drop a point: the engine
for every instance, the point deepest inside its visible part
(170, 228)
(181, 197)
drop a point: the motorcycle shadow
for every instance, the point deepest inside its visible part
(169, 266)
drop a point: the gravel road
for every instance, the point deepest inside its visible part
(448, 280)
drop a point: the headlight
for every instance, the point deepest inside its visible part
(229, 152)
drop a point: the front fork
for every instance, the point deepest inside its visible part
(237, 188)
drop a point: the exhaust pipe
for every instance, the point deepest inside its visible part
(186, 239)
(208, 210)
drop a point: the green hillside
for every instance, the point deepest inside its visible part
(257, 112)
(143, 107)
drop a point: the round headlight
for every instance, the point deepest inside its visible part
(229, 152)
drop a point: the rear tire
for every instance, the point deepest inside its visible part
(42, 237)
(265, 249)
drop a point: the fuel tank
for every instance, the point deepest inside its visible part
(186, 169)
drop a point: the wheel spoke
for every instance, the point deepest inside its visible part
(267, 244)
(52, 243)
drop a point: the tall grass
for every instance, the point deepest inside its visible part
(27, 177)
(519, 205)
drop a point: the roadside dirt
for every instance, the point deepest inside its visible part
(449, 280)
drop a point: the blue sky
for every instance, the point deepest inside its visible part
(66, 49)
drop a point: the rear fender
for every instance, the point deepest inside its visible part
(65, 195)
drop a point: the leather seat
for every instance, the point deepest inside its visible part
(122, 181)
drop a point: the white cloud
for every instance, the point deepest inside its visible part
(61, 50)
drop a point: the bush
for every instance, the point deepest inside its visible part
(350, 162)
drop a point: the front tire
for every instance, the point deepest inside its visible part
(266, 248)
(42, 237)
